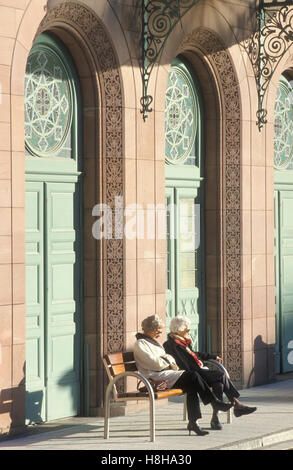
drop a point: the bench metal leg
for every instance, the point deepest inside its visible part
(229, 416)
(107, 411)
(152, 418)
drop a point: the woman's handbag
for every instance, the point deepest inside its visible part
(157, 386)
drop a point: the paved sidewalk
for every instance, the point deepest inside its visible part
(269, 427)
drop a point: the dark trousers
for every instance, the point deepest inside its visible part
(193, 384)
(220, 383)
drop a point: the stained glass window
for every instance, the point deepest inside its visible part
(181, 121)
(48, 105)
(283, 126)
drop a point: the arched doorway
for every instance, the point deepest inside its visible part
(283, 176)
(53, 232)
(184, 198)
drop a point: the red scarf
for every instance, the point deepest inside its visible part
(185, 342)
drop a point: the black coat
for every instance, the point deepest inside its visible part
(184, 360)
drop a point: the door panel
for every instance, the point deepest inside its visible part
(63, 347)
(35, 372)
(183, 255)
(187, 256)
(170, 257)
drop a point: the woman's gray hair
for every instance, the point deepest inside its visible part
(152, 323)
(179, 323)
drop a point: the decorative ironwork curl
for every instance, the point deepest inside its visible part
(159, 17)
(273, 37)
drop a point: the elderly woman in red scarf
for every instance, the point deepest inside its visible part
(153, 362)
(179, 346)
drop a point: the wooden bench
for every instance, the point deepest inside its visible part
(122, 364)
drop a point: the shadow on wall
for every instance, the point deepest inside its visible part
(12, 402)
(264, 363)
(23, 408)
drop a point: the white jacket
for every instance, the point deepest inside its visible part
(153, 361)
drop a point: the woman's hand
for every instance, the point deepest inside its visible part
(219, 359)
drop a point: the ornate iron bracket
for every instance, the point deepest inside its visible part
(273, 37)
(159, 17)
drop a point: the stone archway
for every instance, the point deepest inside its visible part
(82, 22)
(224, 159)
(107, 267)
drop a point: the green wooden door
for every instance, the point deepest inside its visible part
(53, 226)
(283, 160)
(184, 199)
(284, 283)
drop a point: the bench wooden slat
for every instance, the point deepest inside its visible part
(120, 362)
(171, 392)
(120, 368)
(120, 358)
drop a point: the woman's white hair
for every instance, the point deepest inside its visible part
(152, 323)
(179, 323)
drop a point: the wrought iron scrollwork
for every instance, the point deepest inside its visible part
(159, 17)
(273, 37)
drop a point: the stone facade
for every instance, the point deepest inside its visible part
(124, 279)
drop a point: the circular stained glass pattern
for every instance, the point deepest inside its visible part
(283, 126)
(47, 103)
(180, 117)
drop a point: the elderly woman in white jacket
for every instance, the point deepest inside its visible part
(153, 362)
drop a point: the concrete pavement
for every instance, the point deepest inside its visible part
(270, 427)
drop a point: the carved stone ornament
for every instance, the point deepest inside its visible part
(219, 59)
(89, 27)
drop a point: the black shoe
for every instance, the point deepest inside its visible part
(221, 406)
(194, 427)
(244, 410)
(216, 425)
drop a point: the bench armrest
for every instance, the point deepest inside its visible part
(151, 398)
(137, 375)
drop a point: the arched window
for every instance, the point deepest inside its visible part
(183, 117)
(184, 198)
